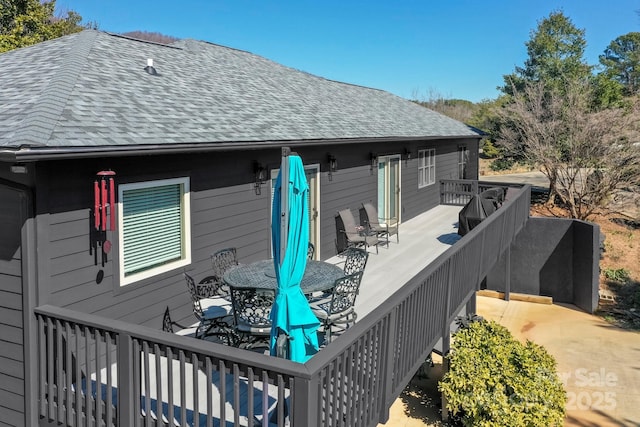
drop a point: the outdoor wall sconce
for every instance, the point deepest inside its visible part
(333, 166)
(407, 155)
(374, 161)
(261, 177)
(19, 168)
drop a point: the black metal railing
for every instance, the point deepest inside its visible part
(100, 371)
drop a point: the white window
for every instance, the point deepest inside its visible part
(154, 228)
(426, 167)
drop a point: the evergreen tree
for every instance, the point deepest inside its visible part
(621, 62)
(27, 22)
(556, 50)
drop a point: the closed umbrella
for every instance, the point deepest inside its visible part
(291, 314)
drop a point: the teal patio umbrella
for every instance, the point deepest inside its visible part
(291, 314)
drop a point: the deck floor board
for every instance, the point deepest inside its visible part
(422, 240)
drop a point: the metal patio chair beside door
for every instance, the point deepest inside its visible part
(383, 226)
(350, 234)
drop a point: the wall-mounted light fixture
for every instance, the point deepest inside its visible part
(374, 161)
(407, 155)
(333, 166)
(260, 175)
(19, 168)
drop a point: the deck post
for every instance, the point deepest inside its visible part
(387, 368)
(305, 402)
(507, 273)
(125, 381)
(471, 304)
(446, 337)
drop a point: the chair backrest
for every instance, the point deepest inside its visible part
(348, 221)
(167, 324)
(345, 292)
(223, 260)
(371, 214)
(252, 306)
(356, 260)
(195, 297)
(310, 251)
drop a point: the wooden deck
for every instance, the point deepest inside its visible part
(212, 397)
(430, 278)
(422, 239)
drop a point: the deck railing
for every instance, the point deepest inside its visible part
(459, 192)
(95, 370)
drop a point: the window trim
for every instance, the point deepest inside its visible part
(185, 210)
(463, 161)
(428, 169)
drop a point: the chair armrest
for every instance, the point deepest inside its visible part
(393, 220)
(349, 233)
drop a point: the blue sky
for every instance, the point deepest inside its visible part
(412, 48)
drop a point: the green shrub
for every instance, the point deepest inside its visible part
(617, 274)
(501, 164)
(490, 150)
(495, 380)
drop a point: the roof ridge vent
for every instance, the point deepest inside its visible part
(149, 68)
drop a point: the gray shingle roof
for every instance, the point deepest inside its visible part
(90, 90)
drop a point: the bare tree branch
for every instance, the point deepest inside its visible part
(588, 155)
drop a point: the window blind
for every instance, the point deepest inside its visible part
(152, 227)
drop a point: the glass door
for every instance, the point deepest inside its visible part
(389, 187)
(311, 172)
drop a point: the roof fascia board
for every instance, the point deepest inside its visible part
(31, 154)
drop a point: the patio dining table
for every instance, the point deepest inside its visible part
(318, 276)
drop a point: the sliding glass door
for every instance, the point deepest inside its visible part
(389, 187)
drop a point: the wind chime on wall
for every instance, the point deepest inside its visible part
(104, 216)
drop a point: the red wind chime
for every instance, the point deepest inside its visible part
(104, 200)
(104, 203)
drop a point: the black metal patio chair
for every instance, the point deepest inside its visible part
(251, 310)
(222, 261)
(369, 217)
(355, 260)
(212, 311)
(311, 249)
(350, 234)
(337, 312)
(168, 324)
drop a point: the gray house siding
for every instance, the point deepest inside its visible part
(12, 362)
(225, 211)
(417, 200)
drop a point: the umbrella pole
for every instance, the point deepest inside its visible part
(284, 202)
(282, 341)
